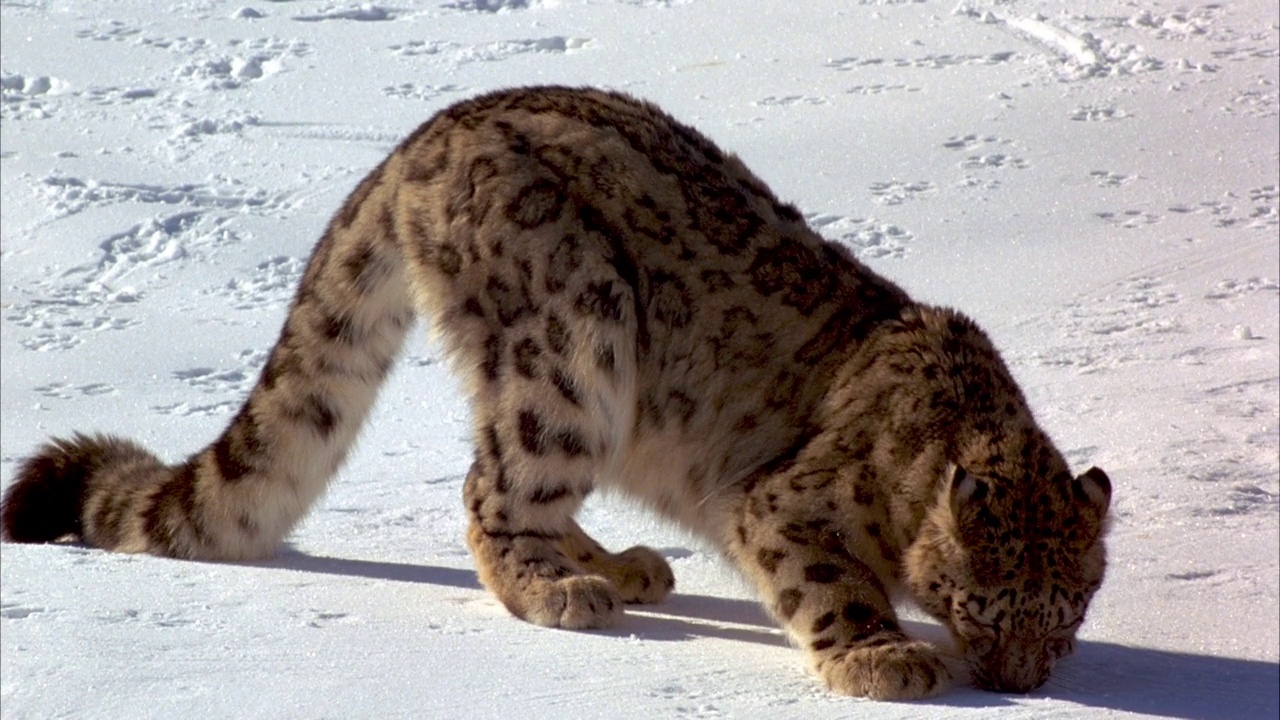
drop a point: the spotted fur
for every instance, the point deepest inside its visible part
(631, 307)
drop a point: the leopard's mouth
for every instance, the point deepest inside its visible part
(1011, 671)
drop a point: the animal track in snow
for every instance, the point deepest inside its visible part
(64, 391)
(18, 611)
(944, 61)
(274, 46)
(1231, 288)
(1146, 291)
(253, 60)
(1225, 213)
(991, 161)
(880, 88)
(366, 12)
(111, 30)
(1193, 575)
(52, 312)
(1240, 456)
(789, 100)
(974, 182)
(209, 380)
(1077, 54)
(56, 391)
(250, 60)
(271, 283)
(1265, 194)
(416, 48)
(56, 308)
(491, 6)
(190, 131)
(1243, 492)
(228, 72)
(377, 520)
(203, 64)
(1181, 24)
(1254, 102)
(1264, 212)
(994, 161)
(1110, 179)
(973, 141)
(696, 696)
(896, 192)
(66, 195)
(849, 63)
(44, 342)
(421, 360)
(1250, 400)
(455, 54)
(236, 381)
(1112, 329)
(402, 449)
(410, 91)
(1214, 208)
(931, 62)
(59, 320)
(22, 102)
(1220, 213)
(655, 3)
(158, 619)
(155, 241)
(1129, 219)
(1095, 113)
(868, 238)
(187, 409)
(27, 97)
(181, 46)
(504, 49)
(320, 618)
(112, 95)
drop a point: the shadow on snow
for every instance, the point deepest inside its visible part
(1101, 674)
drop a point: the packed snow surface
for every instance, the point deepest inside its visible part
(1094, 181)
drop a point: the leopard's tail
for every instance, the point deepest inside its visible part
(240, 496)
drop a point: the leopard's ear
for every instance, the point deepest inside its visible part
(1093, 489)
(1092, 494)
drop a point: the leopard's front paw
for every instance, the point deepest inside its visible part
(641, 575)
(902, 670)
(577, 602)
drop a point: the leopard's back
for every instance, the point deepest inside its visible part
(685, 318)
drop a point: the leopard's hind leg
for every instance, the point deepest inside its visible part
(551, 378)
(547, 423)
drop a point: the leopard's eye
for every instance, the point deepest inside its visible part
(978, 638)
(1060, 647)
(981, 644)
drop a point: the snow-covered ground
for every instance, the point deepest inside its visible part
(1097, 186)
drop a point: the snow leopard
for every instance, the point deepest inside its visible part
(630, 308)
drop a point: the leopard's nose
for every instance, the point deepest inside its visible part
(1020, 683)
(1014, 671)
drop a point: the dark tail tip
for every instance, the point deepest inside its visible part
(46, 498)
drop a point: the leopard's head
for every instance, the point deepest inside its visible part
(1009, 566)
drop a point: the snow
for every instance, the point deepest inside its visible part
(1098, 186)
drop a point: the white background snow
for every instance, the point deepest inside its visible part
(1096, 185)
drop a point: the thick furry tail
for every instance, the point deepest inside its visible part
(238, 497)
(47, 499)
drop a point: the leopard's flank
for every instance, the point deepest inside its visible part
(630, 307)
